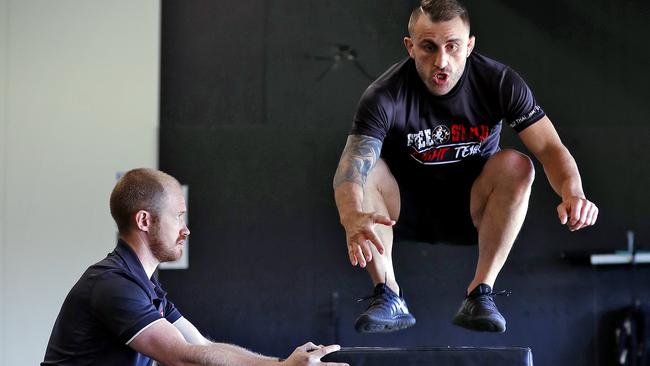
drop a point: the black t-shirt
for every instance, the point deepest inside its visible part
(111, 304)
(424, 133)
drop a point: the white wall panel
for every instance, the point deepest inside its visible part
(80, 104)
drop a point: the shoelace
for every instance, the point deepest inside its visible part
(366, 298)
(500, 293)
(492, 294)
(487, 300)
(381, 302)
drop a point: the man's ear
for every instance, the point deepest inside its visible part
(470, 45)
(143, 220)
(408, 43)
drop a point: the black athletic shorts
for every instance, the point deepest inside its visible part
(435, 205)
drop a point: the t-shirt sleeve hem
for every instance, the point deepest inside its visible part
(355, 132)
(140, 326)
(174, 316)
(530, 122)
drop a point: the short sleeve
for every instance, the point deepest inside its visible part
(374, 114)
(122, 305)
(520, 107)
(171, 313)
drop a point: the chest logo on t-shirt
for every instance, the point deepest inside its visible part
(443, 144)
(441, 134)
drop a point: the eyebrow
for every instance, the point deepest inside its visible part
(452, 40)
(428, 41)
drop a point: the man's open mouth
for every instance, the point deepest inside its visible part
(440, 78)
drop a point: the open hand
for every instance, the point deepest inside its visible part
(360, 234)
(310, 354)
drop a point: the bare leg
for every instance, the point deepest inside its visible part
(381, 195)
(499, 201)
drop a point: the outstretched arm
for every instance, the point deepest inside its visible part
(576, 211)
(359, 156)
(165, 343)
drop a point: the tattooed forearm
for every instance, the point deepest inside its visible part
(359, 156)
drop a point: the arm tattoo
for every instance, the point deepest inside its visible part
(359, 156)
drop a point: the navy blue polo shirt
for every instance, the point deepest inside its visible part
(111, 303)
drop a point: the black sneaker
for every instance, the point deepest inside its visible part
(387, 312)
(479, 312)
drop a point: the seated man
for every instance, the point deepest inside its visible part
(117, 314)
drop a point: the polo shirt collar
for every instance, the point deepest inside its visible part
(134, 266)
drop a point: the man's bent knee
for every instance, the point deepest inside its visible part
(381, 185)
(513, 166)
(380, 177)
(507, 171)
